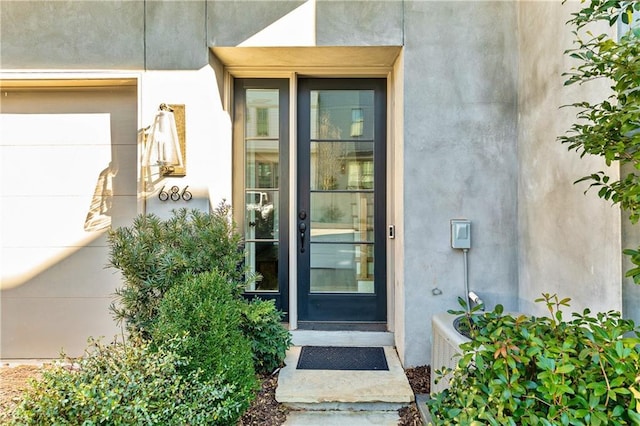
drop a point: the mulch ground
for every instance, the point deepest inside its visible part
(420, 381)
(265, 410)
(419, 378)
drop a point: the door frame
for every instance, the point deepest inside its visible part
(281, 297)
(324, 310)
(235, 68)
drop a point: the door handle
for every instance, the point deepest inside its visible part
(302, 227)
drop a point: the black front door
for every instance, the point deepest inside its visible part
(340, 218)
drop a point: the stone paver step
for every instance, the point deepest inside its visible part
(342, 418)
(344, 390)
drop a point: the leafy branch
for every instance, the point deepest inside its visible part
(610, 128)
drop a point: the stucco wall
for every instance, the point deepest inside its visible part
(72, 35)
(208, 139)
(336, 23)
(90, 35)
(229, 23)
(359, 23)
(459, 158)
(569, 243)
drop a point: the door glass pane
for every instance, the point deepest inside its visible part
(342, 114)
(341, 217)
(263, 256)
(262, 185)
(341, 165)
(342, 268)
(341, 184)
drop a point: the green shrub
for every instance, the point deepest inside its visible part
(261, 323)
(124, 384)
(547, 371)
(152, 254)
(204, 307)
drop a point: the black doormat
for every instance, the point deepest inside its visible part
(342, 358)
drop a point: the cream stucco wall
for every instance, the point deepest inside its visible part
(208, 138)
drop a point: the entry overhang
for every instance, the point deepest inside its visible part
(376, 59)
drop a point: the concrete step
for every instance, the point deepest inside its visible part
(342, 418)
(344, 390)
(341, 338)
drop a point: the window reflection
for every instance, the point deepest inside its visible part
(262, 192)
(263, 256)
(342, 216)
(342, 268)
(342, 200)
(342, 114)
(341, 166)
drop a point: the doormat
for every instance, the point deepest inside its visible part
(342, 358)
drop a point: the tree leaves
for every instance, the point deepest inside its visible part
(609, 128)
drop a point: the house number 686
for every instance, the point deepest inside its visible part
(174, 194)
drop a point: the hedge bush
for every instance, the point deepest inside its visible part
(153, 254)
(205, 308)
(128, 383)
(262, 324)
(545, 371)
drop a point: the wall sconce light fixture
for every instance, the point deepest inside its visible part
(165, 146)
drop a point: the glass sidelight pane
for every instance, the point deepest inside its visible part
(262, 185)
(342, 216)
(261, 215)
(342, 268)
(262, 163)
(262, 113)
(262, 257)
(342, 114)
(341, 165)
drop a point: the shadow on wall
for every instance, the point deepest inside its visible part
(99, 216)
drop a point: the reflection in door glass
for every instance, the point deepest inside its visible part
(342, 114)
(261, 163)
(342, 217)
(341, 165)
(261, 215)
(341, 191)
(342, 268)
(262, 191)
(263, 256)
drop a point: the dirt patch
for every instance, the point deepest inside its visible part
(13, 381)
